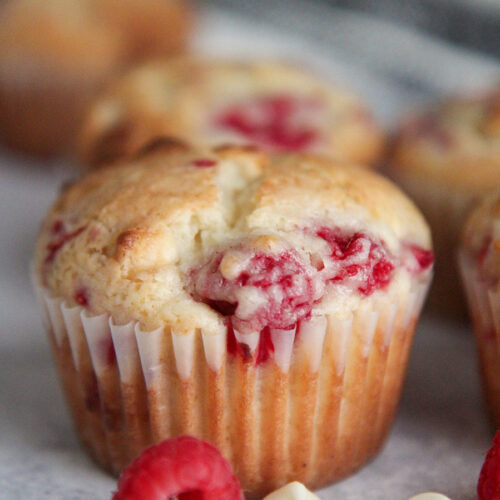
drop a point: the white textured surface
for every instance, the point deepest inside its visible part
(441, 433)
(429, 496)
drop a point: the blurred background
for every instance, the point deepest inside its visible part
(432, 46)
(472, 23)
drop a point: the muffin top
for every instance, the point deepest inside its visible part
(277, 107)
(457, 142)
(189, 236)
(86, 35)
(481, 238)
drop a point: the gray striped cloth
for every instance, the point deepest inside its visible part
(378, 57)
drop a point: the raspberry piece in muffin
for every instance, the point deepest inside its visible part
(262, 292)
(364, 263)
(258, 290)
(277, 123)
(60, 238)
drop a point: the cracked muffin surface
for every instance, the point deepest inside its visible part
(190, 236)
(274, 106)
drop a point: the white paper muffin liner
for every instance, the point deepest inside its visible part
(314, 412)
(484, 306)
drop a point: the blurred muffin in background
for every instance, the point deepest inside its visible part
(271, 105)
(480, 266)
(445, 158)
(56, 54)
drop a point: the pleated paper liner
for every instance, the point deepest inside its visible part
(484, 307)
(318, 409)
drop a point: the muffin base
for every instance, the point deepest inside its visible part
(316, 411)
(484, 307)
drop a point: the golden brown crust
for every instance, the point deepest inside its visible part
(179, 98)
(55, 55)
(129, 232)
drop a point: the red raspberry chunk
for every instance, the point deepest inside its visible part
(277, 123)
(61, 237)
(269, 290)
(184, 468)
(81, 297)
(358, 260)
(422, 258)
(265, 347)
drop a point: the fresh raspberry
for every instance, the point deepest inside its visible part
(488, 486)
(185, 468)
(277, 123)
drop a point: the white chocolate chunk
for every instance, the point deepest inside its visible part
(429, 496)
(292, 491)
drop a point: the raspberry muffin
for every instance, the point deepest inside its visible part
(479, 259)
(274, 106)
(263, 303)
(445, 158)
(56, 54)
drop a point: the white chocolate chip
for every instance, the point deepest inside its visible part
(429, 496)
(292, 491)
(232, 264)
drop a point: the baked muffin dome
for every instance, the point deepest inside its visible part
(271, 105)
(56, 54)
(130, 236)
(265, 303)
(456, 143)
(445, 158)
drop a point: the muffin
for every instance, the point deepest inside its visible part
(265, 303)
(56, 54)
(277, 107)
(479, 259)
(445, 158)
